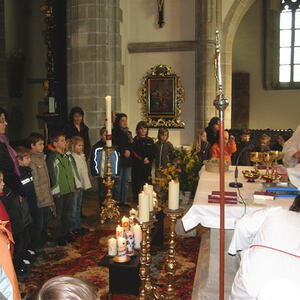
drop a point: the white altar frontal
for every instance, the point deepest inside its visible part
(206, 283)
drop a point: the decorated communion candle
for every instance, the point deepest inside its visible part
(130, 243)
(173, 195)
(122, 249)
(148, 189)
(143, 207)
(137, 233)
(131, 222)
(133, 212)
(112, 247)
(108, 120)
(119, 231)
(125, 223)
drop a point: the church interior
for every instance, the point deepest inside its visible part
(157, 61)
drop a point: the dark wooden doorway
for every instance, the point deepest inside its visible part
(240, 100)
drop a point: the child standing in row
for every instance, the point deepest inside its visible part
(64, 180)
(204, 147)
(44, 199)
(143, 155)
(77, 147)
(164, 151)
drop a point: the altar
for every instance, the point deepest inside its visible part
(206, 283)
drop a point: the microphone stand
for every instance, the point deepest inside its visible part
(235, 183)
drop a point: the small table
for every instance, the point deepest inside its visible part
(123, 277)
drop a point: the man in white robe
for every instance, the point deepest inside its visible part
(270, 239)
(291, 150)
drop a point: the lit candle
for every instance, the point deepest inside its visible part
(173, 195)
(137, 233)
(132, 212)
(119, 231)
(108, 120)
(148, 189)
(143, 207)
(131, 222)
(122, 249)
(125, 223)
(112, 247)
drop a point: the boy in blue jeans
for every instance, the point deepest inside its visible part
(64, 181)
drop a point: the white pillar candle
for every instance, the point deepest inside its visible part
(137, 233)
(130, 243)
(119, 231)
(143, 207)
(173, 195)
(131, 222)
(112, 247)
(122, 249)
(132, 212)
(148, 189)
(125, 223)
(108, 120)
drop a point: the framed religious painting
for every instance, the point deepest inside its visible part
(162, 95)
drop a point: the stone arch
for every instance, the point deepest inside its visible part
(230, 26)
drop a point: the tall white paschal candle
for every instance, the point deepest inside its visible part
(148, 189)
(112, 247)
(108, 120)
(173, 195)
(137, 233)
(143, 207)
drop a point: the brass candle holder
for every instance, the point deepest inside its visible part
(147, 289)
(110, 209)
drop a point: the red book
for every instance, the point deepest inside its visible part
(264, 195)
(230, 195)
(213, 199)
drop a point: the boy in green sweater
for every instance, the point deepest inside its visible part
(64, 181)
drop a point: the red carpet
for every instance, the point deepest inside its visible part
(80, 259)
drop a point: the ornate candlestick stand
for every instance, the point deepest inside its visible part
(145, 259)
(173, 215)
(110, 208)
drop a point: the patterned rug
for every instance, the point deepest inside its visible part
(80, 259)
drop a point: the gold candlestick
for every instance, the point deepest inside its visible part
(110, 209)
(173, 215)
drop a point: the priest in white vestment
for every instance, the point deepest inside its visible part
(291, 150)
(270, 239)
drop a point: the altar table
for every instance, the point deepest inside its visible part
(206, 284)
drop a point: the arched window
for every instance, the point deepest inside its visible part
(289, 43)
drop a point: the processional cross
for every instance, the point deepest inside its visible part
(160, 4)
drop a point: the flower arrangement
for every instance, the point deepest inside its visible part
(185, 169)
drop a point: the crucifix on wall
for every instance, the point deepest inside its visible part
(160, 4)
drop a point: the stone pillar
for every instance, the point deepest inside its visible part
(94, 58)
(3, 82)
(208, 19)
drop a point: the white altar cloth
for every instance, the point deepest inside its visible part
(208, 214)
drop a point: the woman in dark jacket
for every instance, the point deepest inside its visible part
(122, 141)
(143, 156)
(76, 127)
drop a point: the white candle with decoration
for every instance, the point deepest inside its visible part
(148, 189)
(131, 222)
(122, 249)
(112, 247)
(137, 233)
(143, 207)
(125, 223)
(119, 231)
(130, 243)
(173, 195)
(133, 212)
(108, 121)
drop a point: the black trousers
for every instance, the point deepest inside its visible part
(22, 241)
(61, 224)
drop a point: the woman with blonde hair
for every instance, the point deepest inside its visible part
(67, 288)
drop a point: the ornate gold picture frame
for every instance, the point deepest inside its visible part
(161, 95)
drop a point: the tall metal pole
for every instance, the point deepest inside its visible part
(221, 103)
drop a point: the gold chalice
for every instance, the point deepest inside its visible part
(268, 159)
(277, 155)
(256, 157)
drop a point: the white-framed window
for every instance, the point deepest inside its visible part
(289, 44)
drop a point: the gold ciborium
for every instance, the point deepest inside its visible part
(268, 159)
(256, 157)
(277, 155)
